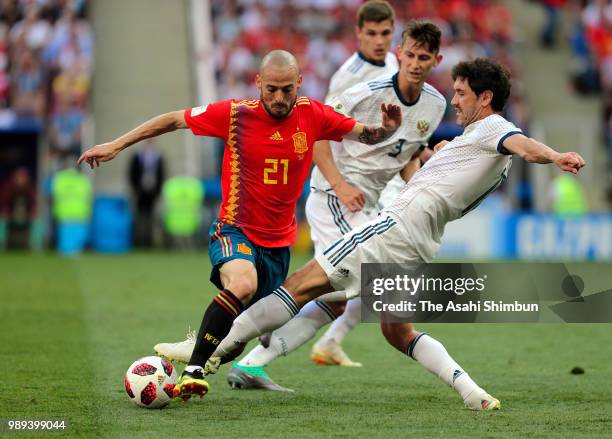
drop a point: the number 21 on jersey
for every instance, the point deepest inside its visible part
(272, 173)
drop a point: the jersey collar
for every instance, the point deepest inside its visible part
(374, 63)
(399, 93)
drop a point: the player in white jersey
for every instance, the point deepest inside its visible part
(342, 208)
(369, 169)
(459, 175)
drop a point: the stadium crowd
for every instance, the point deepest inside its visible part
(321, 34)
(46, 56)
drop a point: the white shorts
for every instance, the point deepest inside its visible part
(391, 191)
(329, 219)
(382, 240)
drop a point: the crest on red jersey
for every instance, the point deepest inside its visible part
(299, 142)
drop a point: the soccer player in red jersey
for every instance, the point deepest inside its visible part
(268, 153)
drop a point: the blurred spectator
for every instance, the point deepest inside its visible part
(32, 32)
(64, 131)
(550, 30)
(28, 86)
(183, 197)
(71, 43)
(18, 209)
(568, 196)
(10, 12)
(72, 195)
(5, 81)
(71, 85)
(146, 178)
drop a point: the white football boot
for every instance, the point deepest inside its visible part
(330, 353)
(180, 351)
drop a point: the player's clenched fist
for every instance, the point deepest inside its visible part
(570, 162)
(99, 153)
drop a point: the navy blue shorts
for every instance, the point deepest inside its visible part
(228, 243)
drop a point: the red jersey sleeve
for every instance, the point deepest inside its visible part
(210, 120)
(334, 126)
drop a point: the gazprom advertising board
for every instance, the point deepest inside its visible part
(492, 235)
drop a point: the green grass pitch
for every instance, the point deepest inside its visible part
(71, 327)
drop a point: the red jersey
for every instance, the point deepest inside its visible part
(266, 161)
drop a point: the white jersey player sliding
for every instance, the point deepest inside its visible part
(458, 176)
(369, 169)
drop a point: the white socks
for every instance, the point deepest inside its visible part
(345, 323)
(432, 355)
(292, 335)
(264, 316)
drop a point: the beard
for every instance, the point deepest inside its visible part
(278, 112)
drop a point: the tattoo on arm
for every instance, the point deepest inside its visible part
(372, 135)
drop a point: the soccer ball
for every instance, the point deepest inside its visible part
(149, 382)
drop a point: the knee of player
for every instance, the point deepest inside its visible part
(243, 288)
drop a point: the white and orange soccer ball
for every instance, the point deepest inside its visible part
(149, 382)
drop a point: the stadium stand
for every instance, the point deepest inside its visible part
(47, 53)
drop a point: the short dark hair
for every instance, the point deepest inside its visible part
(485, 74)
(424, 33)
(376, 11)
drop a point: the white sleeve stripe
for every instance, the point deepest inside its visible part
(382, 81)
(380, 87)
(432, 90)
(437, 95)
(355, 61)
(356, 66)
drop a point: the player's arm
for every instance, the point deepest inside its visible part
(370, 135)
(350, 196)
(161, 124)
(412, 166)
(533, 151)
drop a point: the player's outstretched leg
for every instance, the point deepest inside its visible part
(328, 349)
(249, 372)
(278, 308)
(432, 355)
